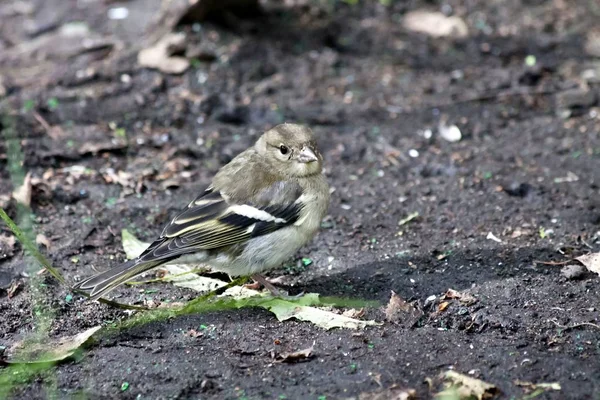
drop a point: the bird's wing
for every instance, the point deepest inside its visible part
(213, 221)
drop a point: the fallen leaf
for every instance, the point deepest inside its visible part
(182, 275)
(22, 194)
(591, 261)
(466, 387)
(49, 350)
(399, 311)
(435, 24)
(299, 309)
(443, 306)
(464, 298)
(132, 246)
(159, 56)
(296, 356)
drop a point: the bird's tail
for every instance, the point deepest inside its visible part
(102, 283)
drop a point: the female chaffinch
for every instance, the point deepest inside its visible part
(258, 211)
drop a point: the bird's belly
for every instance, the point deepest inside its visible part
(262, 253)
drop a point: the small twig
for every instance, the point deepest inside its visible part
(552, 262)
(568, 328)
(42, 121)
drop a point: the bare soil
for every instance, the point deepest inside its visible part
(111, 146)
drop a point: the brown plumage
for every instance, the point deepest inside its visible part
(258, 211)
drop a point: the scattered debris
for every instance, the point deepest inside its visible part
(571, 177)
(401, 312)
(466, 387)
(118, 13)
(578, 98)
(591, 261)
(491, 236)
(516, 189)
(392, 393)
(451, 133)
(50, 349)
(43, 240)
(409, 218)
(592, 43)
(537, 388)
(22, 194)
(296, 356)
(160, 55)
(572, 271)
(435, 24)
(3, 89)
(7, 246)
(565, 328)
(14, 288)
(175, 12)
(463, 297)
(354, 313)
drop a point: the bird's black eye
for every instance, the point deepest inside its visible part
(283, 149)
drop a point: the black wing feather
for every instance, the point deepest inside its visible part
(208, 223)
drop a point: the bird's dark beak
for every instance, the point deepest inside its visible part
(307, 155)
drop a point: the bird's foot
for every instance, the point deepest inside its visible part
(275, 291)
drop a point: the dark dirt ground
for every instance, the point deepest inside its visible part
(369, 88)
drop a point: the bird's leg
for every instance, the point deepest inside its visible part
(275, 291)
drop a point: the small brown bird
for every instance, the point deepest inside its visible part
(257, 212)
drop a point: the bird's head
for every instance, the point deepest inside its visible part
(291, 149)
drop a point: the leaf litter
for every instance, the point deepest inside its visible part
(399, 311)
(51, 350)
(303, 308)
(590, 261)
(459, 386)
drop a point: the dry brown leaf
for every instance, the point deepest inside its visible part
(22, 194)
(354, 313)
(467, 387)
(464, 298)
(399, 311)
(591, 261)
(296, 356)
